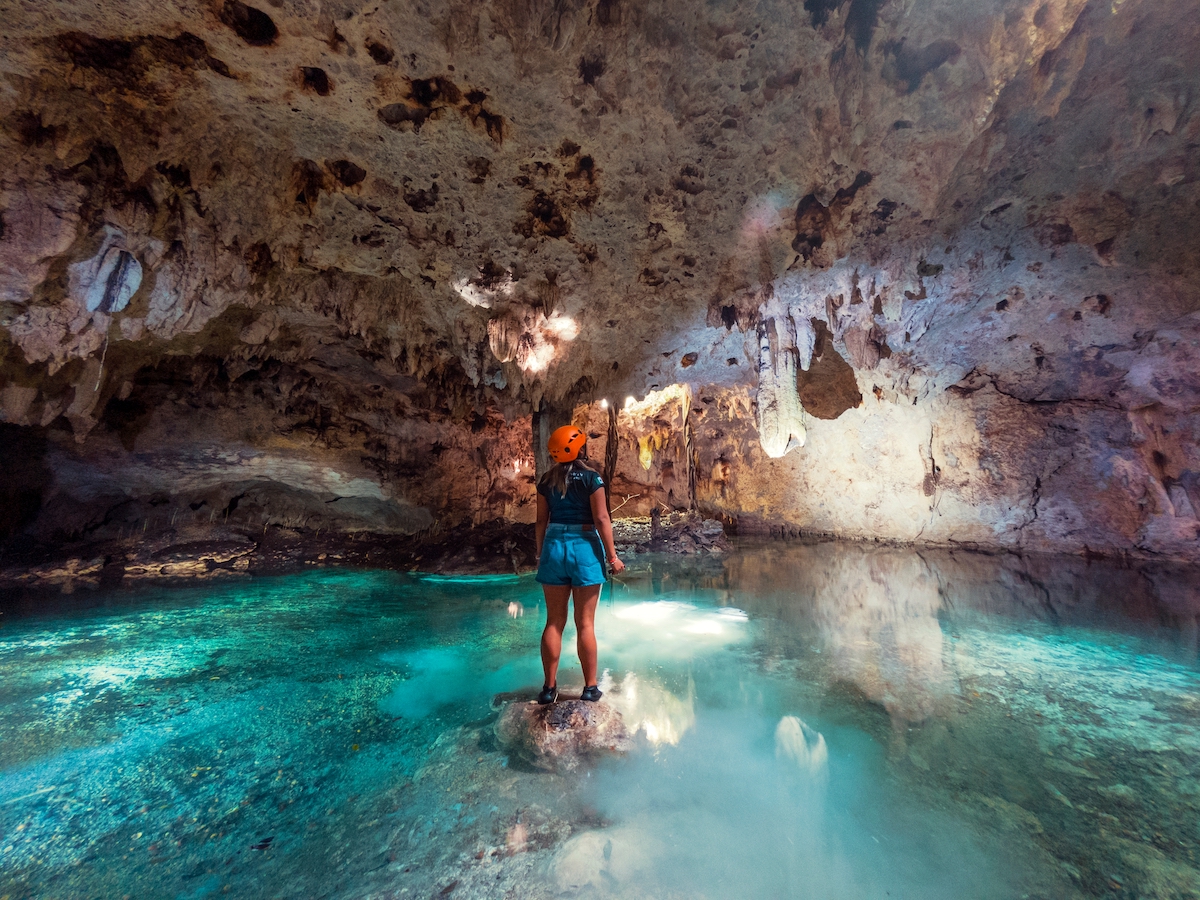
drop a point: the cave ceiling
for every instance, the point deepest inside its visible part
(535, 193)
(478, 208)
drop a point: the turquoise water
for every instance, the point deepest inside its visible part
(813, 721)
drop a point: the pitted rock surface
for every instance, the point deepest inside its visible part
(559, 737)
(921, 271)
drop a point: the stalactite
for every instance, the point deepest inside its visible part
(780, 415)
(651, 443)
(504, 336)
(525, 348)
(806, 338)
(645, 452)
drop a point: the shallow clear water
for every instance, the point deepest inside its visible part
(814, 721)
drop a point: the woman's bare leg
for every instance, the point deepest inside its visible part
(557, 596)
(586, 600)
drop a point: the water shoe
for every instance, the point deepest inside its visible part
(591, 694)
(548, 695)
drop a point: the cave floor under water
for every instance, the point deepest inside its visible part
(974, 726)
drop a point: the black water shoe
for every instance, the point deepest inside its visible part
(548, 695)
(591, 694)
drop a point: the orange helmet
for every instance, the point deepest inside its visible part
(565, 443)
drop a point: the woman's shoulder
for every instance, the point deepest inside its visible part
(589, 477)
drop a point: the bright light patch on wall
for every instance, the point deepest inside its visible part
(562, 327)
(538, 357)
(482, 297)
(518, 464)
(656, 400)
(604, 404)
(473, 295)
(538, 347)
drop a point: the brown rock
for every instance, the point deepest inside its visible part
(561, 736)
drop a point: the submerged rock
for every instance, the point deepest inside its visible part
(560, 736)
(798, 742)
(604, 858)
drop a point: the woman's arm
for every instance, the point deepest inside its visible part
(543, 519)
(604, 526)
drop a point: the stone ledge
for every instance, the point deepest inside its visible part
(676, 532)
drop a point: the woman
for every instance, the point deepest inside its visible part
(574, 536)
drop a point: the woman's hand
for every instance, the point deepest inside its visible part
(616, 565)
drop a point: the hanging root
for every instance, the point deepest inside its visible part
(100, 374)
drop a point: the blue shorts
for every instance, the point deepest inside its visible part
(571, 555)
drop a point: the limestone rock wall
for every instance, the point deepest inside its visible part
(191, 446)
(933, 264)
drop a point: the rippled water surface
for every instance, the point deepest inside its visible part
(813, 721)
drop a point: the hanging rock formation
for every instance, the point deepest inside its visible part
(780, 416)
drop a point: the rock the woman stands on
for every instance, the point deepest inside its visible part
(574, 538)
